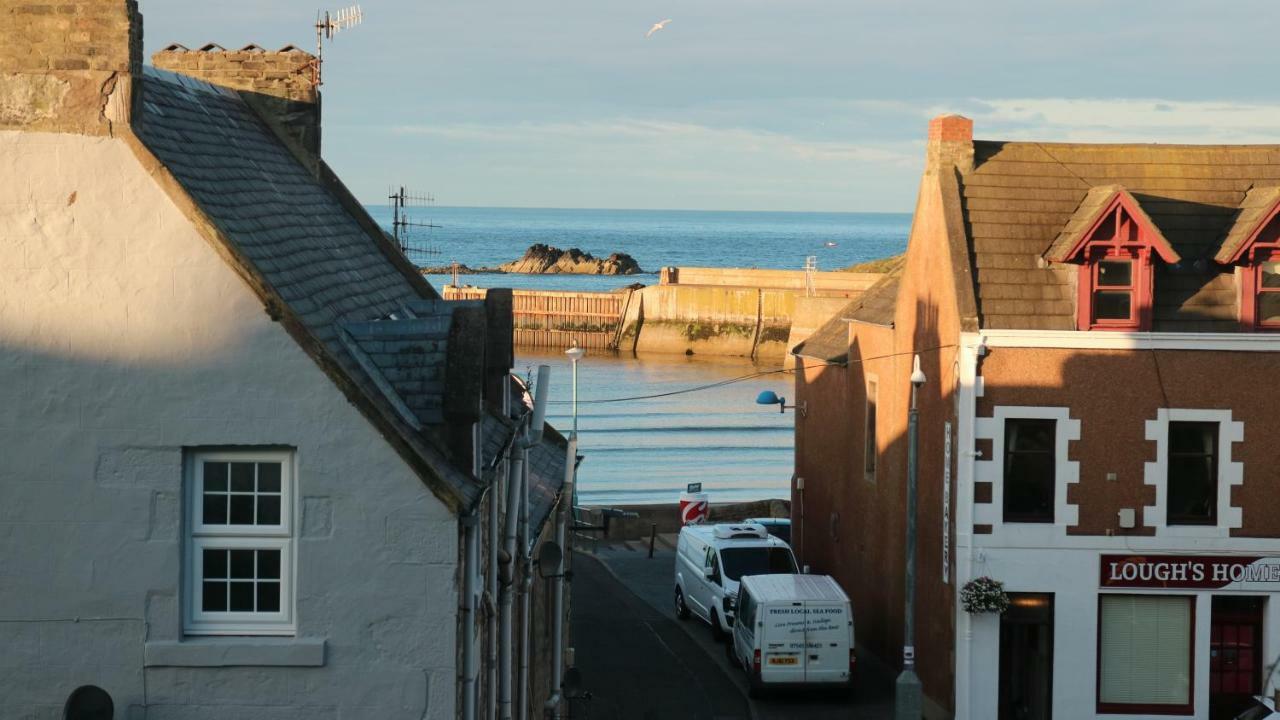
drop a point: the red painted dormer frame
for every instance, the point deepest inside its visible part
(1262, 245)
(1121, 232)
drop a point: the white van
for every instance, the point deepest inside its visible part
(793, 630)
(709, 561)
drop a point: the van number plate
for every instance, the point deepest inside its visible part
(784, 661)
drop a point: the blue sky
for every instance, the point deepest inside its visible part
(743, 104)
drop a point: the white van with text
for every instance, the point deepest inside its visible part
(709, 561)
(793, 630)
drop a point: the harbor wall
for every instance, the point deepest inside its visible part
(712, 317)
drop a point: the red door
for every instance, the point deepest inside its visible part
(1235, 655)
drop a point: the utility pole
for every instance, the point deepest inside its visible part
(908, 695)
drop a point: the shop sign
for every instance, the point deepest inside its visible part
(1212, 572)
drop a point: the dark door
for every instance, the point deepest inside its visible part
(1235, 654)
(1026, 657)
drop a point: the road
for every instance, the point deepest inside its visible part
(630, 579)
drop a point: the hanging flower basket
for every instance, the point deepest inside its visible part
(984, 595)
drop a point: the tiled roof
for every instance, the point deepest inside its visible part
(830, 342)
(302, 242)
(1019, 196)
(1094, 204)
(1254, 210)
(876, 305)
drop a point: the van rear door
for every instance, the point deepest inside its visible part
(782, 643)
(826, 633)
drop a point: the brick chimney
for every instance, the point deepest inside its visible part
(68, 66)
(279, 85)
(950, 143)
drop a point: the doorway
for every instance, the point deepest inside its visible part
(1235, 654)
(1026, 657)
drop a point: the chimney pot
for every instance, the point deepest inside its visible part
(950, 144)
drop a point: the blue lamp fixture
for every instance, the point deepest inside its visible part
(769, 397)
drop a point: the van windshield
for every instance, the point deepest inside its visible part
(757, 561)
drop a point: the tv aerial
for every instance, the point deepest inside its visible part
(402, 225)
(329, 25)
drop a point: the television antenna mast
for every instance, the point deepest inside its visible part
(327, 26)
(402, 224)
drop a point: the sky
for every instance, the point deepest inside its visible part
(799, 105)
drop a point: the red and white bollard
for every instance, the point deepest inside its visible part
(694, 505)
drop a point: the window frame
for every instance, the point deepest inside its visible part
(870, 446)
(1251, 289)
(198, 537)
(1216, 457)
(1118, 233)
(1005, 516)
(1113, 708)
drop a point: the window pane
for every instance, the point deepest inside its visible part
(1112, 304)
(1269, 274)
(215, 509)
(242, 564)
(1193, 477)
(241, 597)
(1268, 307)
(269, 564)
(242, 477)
(269, 477)
(215, 476)
(1029, 467)
(241, 509)
(1115, 273)
(214, 597)
(215, 564)
(268, 597)
(1144, 651)
(869, 449)
(268, 509)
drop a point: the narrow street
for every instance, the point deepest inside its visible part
(639, 661)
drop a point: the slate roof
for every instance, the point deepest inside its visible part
(305, 243)
(876, 305)
(1020, 195)
(1254, 210)
(1095, 203)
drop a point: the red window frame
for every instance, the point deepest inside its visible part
(1128, 240)
(1104, 708)
(1251, 287)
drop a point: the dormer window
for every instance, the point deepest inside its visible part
(1253, 243)
(1114, 242)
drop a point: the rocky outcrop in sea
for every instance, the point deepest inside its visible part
(542, 259)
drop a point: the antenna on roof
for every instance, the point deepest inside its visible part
(328, 25)
(414, 249)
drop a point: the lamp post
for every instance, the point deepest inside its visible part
(564, 516)
(575, 354)
(908, 700)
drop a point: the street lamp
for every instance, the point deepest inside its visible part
(908, 700)
(769, 397)
(563, 687)
(575, 354)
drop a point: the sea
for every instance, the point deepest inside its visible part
(648, 425)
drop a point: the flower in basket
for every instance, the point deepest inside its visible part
(984, 595)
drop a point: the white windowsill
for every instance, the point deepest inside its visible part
(235, 652)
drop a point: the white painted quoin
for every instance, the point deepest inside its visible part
(1046, 559)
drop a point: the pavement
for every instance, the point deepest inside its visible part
(651, 664)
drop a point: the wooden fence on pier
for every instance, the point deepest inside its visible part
(544, 318)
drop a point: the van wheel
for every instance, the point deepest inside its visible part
(682, 610)
(731, 651)
(717, 632)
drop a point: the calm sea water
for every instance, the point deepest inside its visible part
(646, 449)
(481, 237)
(640, 448)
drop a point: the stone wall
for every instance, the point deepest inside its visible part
(280, 85)
(68, 66)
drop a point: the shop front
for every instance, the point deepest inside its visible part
(1092, 634)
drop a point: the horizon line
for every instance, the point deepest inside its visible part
(636, 209)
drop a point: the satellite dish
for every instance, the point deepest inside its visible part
(549, 557)
(572, 683)
(89, 702)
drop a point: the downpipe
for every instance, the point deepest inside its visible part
(526, 585)
(564, 512)
(471, 560)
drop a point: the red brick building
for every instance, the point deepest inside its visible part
(1096, 430)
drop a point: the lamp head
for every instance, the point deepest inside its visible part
(769, 397)
(917, 375)
(575, 353)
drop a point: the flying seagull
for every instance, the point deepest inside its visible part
(657, 26)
